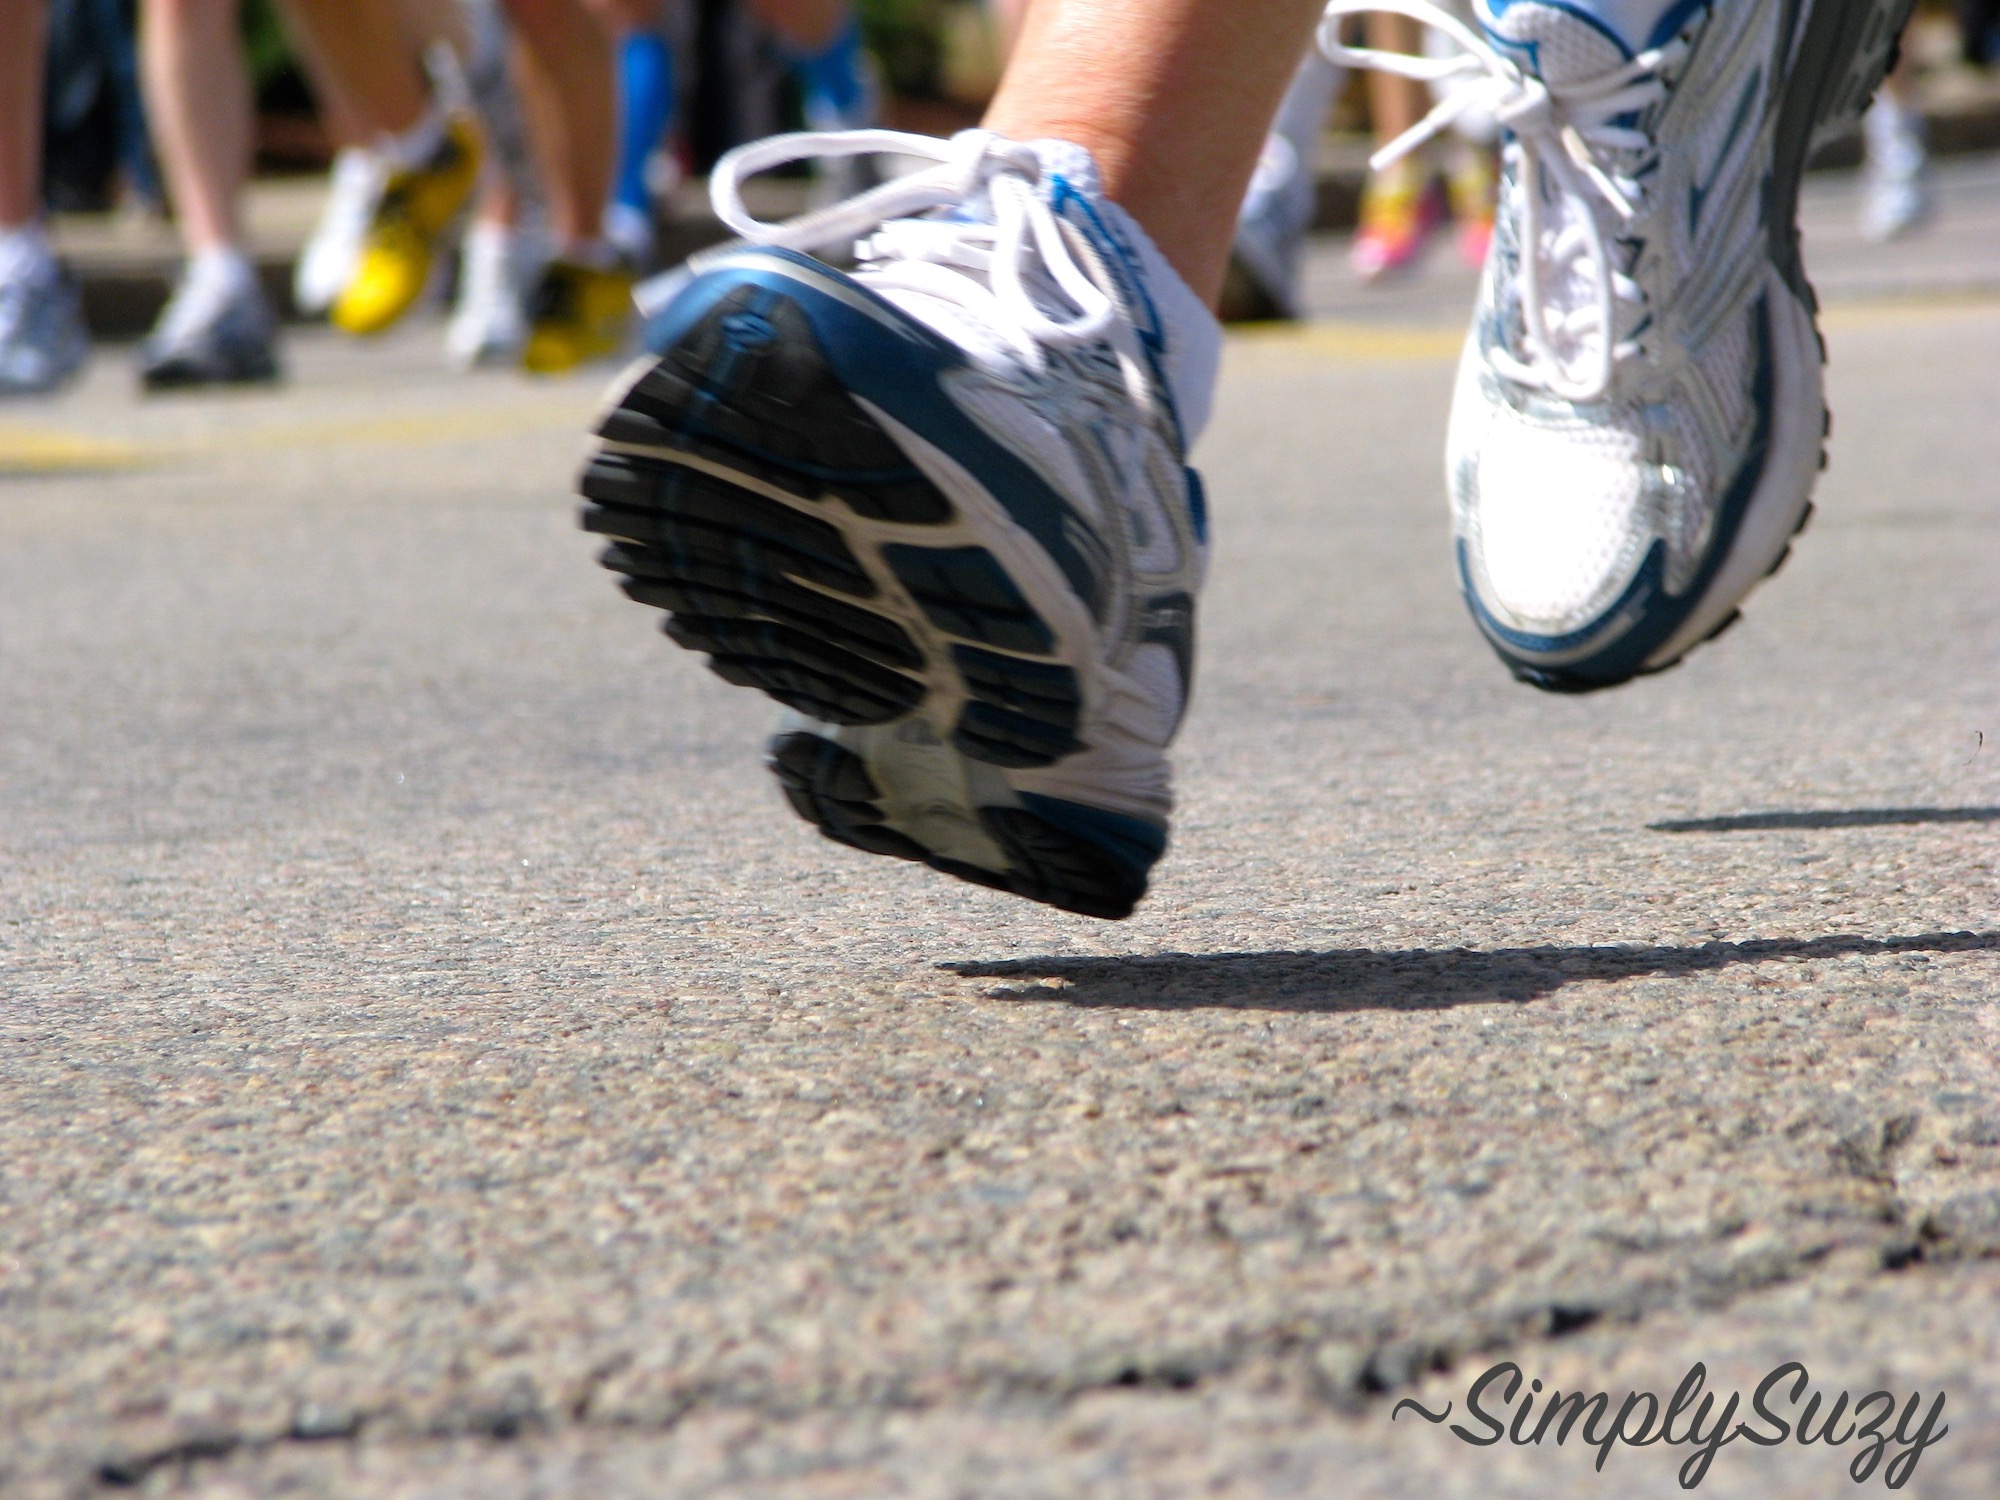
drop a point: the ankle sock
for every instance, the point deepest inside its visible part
(221, 270)
(1175, 321)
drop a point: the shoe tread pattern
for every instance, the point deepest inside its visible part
(764, 587)
(829, 786)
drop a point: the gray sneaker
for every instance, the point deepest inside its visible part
(42, 338)
(1263, 280)
(216, 330)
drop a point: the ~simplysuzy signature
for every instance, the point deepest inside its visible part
(1642, 1420)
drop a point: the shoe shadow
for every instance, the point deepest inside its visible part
(1409, 979)
(1860, 817)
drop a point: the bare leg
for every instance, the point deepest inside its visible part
(24, 24)
(361, 55)
(1394, 102)
(427, 21)
(1009, 16)
(198, 98)
(568, 88)
(1173, 98)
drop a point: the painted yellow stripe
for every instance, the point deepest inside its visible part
(1376, 343)
(29, 451)
(1349, 343)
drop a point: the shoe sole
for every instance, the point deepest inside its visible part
(814, 546)
(1846, 50)
(183, 377)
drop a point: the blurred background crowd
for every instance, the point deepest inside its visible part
(528, 162)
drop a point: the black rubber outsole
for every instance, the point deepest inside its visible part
(830, 787)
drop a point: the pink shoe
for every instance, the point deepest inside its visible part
(1400, 208)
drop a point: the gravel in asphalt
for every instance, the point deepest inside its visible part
(433, 1063)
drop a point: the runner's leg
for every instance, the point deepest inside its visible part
(1172, 97)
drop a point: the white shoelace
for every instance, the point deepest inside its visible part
(1570, 136)
(979, 267)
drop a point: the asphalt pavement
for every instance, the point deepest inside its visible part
(434, 1064)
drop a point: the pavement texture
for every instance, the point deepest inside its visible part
(433, 1063)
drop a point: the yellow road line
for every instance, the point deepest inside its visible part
(30, 451)
(1388, 343)
(1349, 343)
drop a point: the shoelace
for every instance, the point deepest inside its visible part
(979, 266)
(1565, 133)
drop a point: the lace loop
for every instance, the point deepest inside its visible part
(1570, 135)
(933, 255)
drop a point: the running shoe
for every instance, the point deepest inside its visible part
(1895, 198)
(43, 342)
(577, 313)
(488, 323)
(416, 206)
(938, 508)
(331, 256)
(1400, 208)
(1639, 415)
(216, 329)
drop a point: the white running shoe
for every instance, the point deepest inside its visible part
(1639, 416)
(43, 342)
(938, 507)
(489, 323)
(1895, 198)
(330, 257)
(216, 329)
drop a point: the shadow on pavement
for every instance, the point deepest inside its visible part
(1859, 817)
(1411, 979)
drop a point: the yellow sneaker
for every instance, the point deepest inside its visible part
(576, 313)
(417, 206)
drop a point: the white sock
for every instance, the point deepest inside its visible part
(25, 252)
(221, 271)
(1188, 334)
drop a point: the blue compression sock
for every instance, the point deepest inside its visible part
(645, 105)
(833, 79)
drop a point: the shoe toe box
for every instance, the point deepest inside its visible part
(1555, 522)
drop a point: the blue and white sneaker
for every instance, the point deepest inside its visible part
(43, 342)
(938, 508)
(1639, 417)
